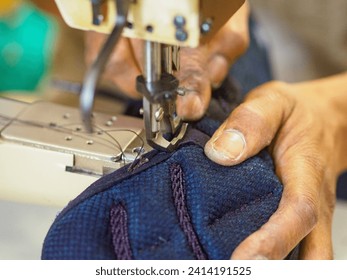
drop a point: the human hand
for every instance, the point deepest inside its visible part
(305, 127)
(201, 68)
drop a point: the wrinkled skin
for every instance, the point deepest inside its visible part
(303, 126)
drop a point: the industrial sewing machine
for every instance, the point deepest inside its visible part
(54, 153)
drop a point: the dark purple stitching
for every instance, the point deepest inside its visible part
(119, 229)
(178, 191)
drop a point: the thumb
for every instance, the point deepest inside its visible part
(252, 126)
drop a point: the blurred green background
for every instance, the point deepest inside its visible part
(27, 40)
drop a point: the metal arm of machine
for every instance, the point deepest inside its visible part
(92, 76)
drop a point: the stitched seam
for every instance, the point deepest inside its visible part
(178, 192)
(124, 176)
(119, 230)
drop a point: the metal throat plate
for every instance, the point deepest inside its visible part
(116, 140)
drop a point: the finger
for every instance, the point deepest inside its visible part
(121, 69)
(252, 126)
(233, 38)
(318, 244)
(227, 45)
(218, 68)
(295, 217)
(193, 76)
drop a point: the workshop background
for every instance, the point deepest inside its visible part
(41, 58)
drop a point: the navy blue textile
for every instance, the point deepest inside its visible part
(341, 191)
(221, 205)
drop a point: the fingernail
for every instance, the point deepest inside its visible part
(259, 257)
(249, 257)
(216, 85)
(229, 145)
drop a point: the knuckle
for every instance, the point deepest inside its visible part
(253, 119)
(241, 41)
(310, 210)
(307, 211)
(190, 108)
(253, 113)
(274, 91)
(196, 112)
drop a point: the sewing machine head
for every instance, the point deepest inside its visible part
(165, 26)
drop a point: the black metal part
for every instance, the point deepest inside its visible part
(158, 92)
(93, 74)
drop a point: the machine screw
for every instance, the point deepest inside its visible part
(181, 35)
(159, 114)
(206, 26)
(149, 28)
(129, 25)
(179, 21)
(100, 19)
(181, 91)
